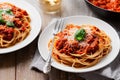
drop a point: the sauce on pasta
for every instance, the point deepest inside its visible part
(112, 5)
(84, 53)
(14, 24)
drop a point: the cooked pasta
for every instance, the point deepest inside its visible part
(112, 5)
(80, 46)
(14, 24)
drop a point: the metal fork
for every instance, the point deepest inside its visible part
(58, 27)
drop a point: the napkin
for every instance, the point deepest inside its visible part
(111, 71)
(37, 62)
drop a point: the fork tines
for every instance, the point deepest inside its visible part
(58, 26)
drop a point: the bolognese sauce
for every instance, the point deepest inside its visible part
(14, 24)
(112, 5)
(80, 46)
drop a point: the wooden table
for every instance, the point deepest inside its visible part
(16, 65)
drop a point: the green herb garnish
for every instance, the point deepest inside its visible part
(1, 11)
(2, 21)
(10, 24)
(80, 34)
(8, 11)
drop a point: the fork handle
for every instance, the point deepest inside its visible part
(47, 66)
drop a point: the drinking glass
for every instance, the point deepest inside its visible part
(50, 6)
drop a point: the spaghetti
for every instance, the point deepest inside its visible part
(112, 5)
(14, 24)
(83, 53)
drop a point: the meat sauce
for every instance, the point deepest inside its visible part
(15, 16)
(88, 45)
(112, 5)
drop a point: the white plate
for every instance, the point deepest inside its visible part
(35, 25)
(79, 20)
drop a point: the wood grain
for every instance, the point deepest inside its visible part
(23, 61)
(7, 66)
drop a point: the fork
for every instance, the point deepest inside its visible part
(58, 27)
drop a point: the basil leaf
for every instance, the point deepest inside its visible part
(80, 34)
(1, 11)
(10, 24)
(8, 11)
(2, 21)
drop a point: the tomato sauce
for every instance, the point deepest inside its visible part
(112, 5)
(6, 32)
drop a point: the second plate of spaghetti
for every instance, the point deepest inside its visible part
(85, 44)
(18, 25)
